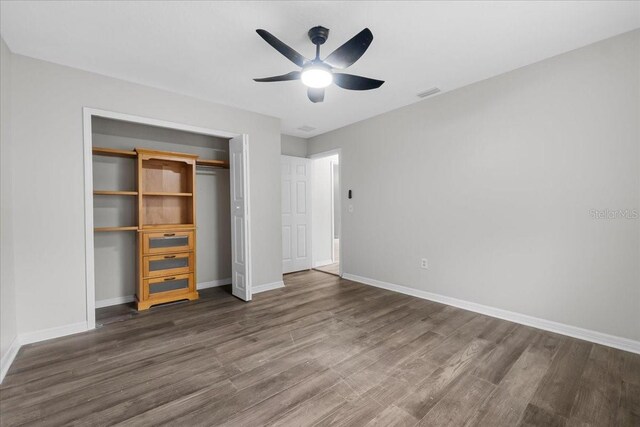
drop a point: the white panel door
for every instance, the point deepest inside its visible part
(240, 254)
(296, 214)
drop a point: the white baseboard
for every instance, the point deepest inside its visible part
(267, 287)
(523, 319)
(322, 263)
(115, 301)
(7, 359)
(214, 283)
(57, 332)
(130, 298)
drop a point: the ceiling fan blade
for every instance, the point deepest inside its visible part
(315, 94)
(349, 81)
(278, 45)
(294, 75)
(351, 51)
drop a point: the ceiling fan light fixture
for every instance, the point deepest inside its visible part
(318, 73)
(316, 76)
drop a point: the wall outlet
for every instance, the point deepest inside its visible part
(424, 264)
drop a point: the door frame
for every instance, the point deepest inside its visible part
(333, 208)
(87, 114)
(329, 153)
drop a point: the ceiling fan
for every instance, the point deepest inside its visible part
(317, 74)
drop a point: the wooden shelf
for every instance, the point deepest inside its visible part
(167, 226)
(162, 193)
(99, 151)
(114, 193)
(213, 163)
(101, 229)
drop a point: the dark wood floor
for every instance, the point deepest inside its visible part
(322, 351)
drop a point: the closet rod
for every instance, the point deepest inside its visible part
(113, 152)
(212, 163)
(211, 168)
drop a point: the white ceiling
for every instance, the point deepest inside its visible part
(210, 50)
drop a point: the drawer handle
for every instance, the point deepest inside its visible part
(169, 278)
(169, 234)
(169, 256)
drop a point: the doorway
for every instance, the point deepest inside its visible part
(326, 212)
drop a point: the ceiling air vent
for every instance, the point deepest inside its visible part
(306, 128)
(428, 92)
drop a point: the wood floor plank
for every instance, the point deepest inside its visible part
(599, 389)
(556, 393)
(393, 416)
(268, 410)
(69, 394)
(535, 416)
(356, 413)
(631, 367)
(216, 411)
(629, 407)
(318, 407)
(498, 361)
(507, 403)
(321, 351)
(117, 407)
(460, 403)
(432, 389)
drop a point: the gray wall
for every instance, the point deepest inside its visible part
(293, 146)
(8, 328)
(115, 269)
(214, 226)
(48, 208)
(494, 184)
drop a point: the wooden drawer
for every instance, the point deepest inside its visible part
(167, 242)
(168, 264)
(168, 287)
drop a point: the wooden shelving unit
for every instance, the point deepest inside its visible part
(103, 229)
(166, 218)
(166, 229)
(114, 193)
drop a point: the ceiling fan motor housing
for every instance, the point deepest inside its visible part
(318, 35)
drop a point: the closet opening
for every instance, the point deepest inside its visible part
(161, 204)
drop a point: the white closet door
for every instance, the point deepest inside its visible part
(296, 214)
(240, 272)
